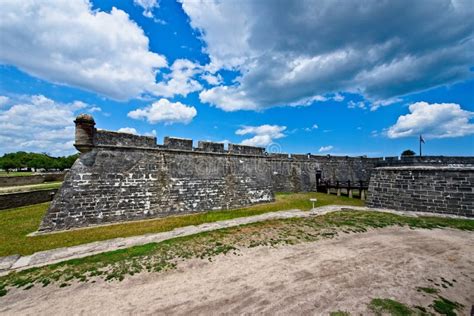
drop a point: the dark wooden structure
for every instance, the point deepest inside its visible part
(348, 186)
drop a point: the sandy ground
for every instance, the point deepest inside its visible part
(310, 278)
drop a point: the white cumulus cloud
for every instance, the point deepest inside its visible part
(352, 105)
(436, 120)
(148, 6)
(128, 130)
(325, 148)
(164, 111)
(211, 79)
(309, 129)
(67, 42)
(264, 134)
(39, 124)
(180, 80)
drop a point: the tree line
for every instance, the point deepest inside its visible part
(24, 160)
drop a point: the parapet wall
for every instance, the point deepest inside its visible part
(109, 138)
(426, 161)
(436, 189)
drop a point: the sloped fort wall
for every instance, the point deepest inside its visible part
(437, 189)
(126, 177)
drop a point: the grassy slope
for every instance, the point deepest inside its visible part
(166, 255)
(31, 187)
(16, 224)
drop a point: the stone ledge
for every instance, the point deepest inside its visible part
(434, 168)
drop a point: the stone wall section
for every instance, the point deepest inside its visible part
(109, 138)
(117, 184)
(297, 173)
(426, 161)
(33, 179)
(436, 189)
(210, 147)
(11, 200)
(178, 143)
(246, 150)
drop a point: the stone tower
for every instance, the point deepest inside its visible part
(85, 132)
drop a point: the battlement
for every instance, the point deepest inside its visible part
(246, 150)
(109, 138)
(178, 143)
(88, 137)
(210, 147)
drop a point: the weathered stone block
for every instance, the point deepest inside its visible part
(211, 147)
(178, 143)
(246, 150)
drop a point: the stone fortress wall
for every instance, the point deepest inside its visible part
(437, 189)
(122, 177)
(128, 177)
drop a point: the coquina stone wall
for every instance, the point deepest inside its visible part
(122, 177)
(127, 177)
(111, 184)
(437, 189)
(297, 173)
(11, 200)
(33, 179)
(117, 183)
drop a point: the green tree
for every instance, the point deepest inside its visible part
(408, 152)
(23, 159)
(8, 164)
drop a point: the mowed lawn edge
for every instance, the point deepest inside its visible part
(16, 224)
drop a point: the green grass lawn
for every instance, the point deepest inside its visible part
(15, 173)
(16, 224)
(31, 187)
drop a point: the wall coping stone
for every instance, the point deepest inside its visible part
(436, 168)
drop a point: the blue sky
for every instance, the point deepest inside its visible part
(299, 77)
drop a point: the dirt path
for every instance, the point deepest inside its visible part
(310, 278)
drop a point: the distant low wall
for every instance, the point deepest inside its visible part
(34, 179)
(11, 200)
(441, 189)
